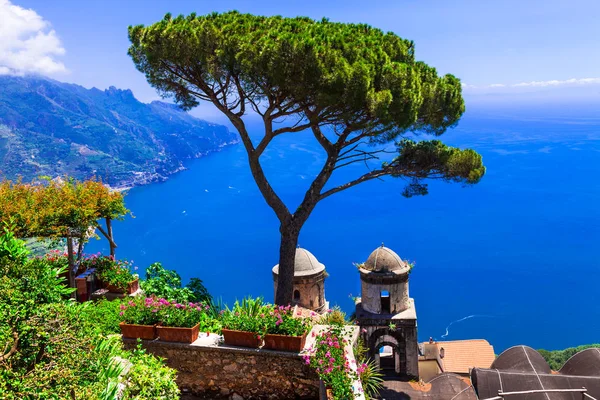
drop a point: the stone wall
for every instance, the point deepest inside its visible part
(214, 372)
(311, 289)
(373, 285)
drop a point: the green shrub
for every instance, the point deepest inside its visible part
(148, 378)
(188, 315)
(557, 358)
(116, 273)
(329, 359)
(370, 377)
(101, 317)
(166, 283)
(141, 311)
(62, 350)
(282, 321)
(334, 316)
(251, 315)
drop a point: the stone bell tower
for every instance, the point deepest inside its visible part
(309, 281)
(387, 314)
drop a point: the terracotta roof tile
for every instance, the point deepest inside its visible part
(462, 355)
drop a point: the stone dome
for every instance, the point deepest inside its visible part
(383, 259)
(305, 264)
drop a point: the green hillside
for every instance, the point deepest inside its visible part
(53, 128)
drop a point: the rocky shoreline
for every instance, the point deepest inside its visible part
(141, 178)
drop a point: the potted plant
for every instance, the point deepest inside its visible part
(139, 318)
(246, 324)
(285, 331)
(115, 275)
(183, 322)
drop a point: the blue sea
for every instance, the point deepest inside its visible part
(514, 259)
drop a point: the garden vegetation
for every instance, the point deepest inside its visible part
(54, 348)
(62, 208)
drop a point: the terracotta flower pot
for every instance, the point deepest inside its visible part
(147, 332)
(132, 287)
(176, 334)
(241, 338)
(284, 343)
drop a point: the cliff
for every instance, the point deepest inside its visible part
(54, 128)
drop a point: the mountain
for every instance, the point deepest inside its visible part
(54, 128)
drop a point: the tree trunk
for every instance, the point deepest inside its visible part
(80, 249)
(71, 263)
(111, 240)
(287, 256)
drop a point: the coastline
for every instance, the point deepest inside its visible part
(146, 178)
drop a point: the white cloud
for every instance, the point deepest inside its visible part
(584, 81)
(539, 84)
(27, 43)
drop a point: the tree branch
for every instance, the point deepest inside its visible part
(13, 348)
(366, 177)
(364, 159)
(291, 129)
(106, 235)
(369, 154)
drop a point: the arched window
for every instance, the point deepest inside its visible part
(296, 295)
(319, 295)
(385, 302)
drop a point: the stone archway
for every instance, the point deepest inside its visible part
(388, 363)
(395, 340)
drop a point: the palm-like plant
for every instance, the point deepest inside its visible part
(107, 351)
(371, 379)
(370, 376)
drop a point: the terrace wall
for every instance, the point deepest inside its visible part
(214, 372)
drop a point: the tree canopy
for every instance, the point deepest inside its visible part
(353, 86)
(57, 208)
(349, 74)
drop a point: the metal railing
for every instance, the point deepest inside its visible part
(583, 392)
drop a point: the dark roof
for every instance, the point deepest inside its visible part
(584, 363)
(521, 368)
(523, 359)
(442, 387)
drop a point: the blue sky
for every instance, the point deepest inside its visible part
(528, 48)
